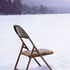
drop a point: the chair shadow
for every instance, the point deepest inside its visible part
(39, 68)
(31, 68)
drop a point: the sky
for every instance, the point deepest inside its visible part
(49, 3)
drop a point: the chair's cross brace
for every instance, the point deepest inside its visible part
(30, 59)
(37, 61)
(25, 47)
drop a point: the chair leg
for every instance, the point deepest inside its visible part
(37, 61)
(46, 63)
(17, 62)
(28, 63)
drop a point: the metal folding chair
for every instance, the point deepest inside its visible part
(30, 53)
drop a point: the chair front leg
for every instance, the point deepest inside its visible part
(28, 63)
(17, 62)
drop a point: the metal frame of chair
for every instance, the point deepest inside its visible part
(22, 34)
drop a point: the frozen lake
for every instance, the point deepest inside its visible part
(46, 31)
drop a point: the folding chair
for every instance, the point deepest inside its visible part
(30, 53)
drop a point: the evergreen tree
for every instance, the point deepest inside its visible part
(26, 9)
(2, 6)
(42, 9)
(8, 7)
(5, 6)
(34, 10)
(17, 7)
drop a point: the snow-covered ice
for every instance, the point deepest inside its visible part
(46, 31)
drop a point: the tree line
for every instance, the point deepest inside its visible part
(36, 9)
(16, 7)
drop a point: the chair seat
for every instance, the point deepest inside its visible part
(35, 53)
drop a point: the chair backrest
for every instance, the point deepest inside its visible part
(20, 32)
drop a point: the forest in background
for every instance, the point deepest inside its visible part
(10, 7)
(16, 7)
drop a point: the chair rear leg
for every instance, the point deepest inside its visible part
(46, 63)
(28, 63)
(17, 62)
(37, 61)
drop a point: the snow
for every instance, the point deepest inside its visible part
(46, 31)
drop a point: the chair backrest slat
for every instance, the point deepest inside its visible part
(21, 32)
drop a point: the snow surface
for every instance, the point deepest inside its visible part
(46, 31)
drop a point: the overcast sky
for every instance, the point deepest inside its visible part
(50, 3)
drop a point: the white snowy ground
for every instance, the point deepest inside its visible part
(46, 31)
